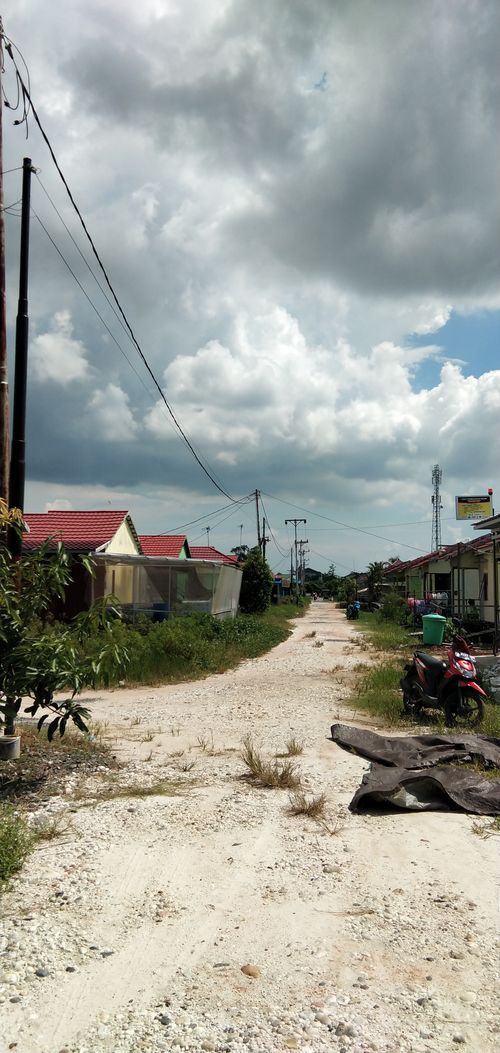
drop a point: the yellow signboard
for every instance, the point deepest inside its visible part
(473, 507)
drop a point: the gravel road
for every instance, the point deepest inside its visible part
(363, 933)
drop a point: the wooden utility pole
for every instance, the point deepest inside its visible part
(264, 539)
(259, 542)
(18, 454)
(4, 371)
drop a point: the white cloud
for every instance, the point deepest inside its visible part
(55, 356)
(110, 415)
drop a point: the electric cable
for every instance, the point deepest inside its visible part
(92, 304)
(242, 501)
(280, 550)
(27, 97)
(347, 526)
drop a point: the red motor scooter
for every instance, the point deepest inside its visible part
(433, 683)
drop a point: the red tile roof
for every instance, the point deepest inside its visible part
(163, 544)
(79, 531)
(208, 552)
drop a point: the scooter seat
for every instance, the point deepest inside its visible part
(429, 659)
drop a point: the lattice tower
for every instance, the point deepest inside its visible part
(437, 477)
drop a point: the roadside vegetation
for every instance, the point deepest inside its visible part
(376, 688)
(192, 647)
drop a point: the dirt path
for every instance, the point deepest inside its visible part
(377, 933)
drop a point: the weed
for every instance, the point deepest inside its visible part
(204, 744)
(136, 721)
(312, 807)
(486, 828)
(272, 774)
(15, 843)
(177, 753)
(293, 748)
(175, 730)
(50, 829)
(318, 643)
(149, 756)
(188, 765)
(149, 736)
(308, 636)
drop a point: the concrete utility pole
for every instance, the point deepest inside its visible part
(295, 522)
(18, 452)
(302, 562)
(4, 372)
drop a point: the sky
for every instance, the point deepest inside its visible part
(297, 206)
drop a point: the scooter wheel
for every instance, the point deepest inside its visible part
(464, 709)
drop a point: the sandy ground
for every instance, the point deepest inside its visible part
(367, 933)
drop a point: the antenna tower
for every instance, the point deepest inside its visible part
(437, 476)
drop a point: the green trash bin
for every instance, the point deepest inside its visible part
(433, 625)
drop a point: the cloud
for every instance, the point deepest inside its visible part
(56, 357)
(280, 194)
(110, 416)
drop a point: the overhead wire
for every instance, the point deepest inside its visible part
(102, 290)
(92, 304)
(347, 526)
(207, 515)
(26, 95)
(268, 524)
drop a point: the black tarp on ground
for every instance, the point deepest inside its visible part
(399, 773)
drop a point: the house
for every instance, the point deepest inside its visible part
(455, 577)
(208, 552)
(82, 533)
(493, 566)
(172, 546)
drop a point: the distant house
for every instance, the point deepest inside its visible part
(172, 546)
(208, 552)
(82, 533)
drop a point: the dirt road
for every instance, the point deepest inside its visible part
(130, 932)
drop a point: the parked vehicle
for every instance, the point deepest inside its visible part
(450, 685)
(352, 609)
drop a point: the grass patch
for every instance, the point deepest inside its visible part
(116, 791)
(312, 807)
(272, 774)
(385, 635)
(15, 843)
(377, 690)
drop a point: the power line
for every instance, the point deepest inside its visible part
(347, 526)
(92, 304)
(207, 515)
(27, 96)
(269, 527)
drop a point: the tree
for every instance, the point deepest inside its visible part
(241, 551)
(256, 584)
(38, 659)
(375, 579)
(347, 589)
